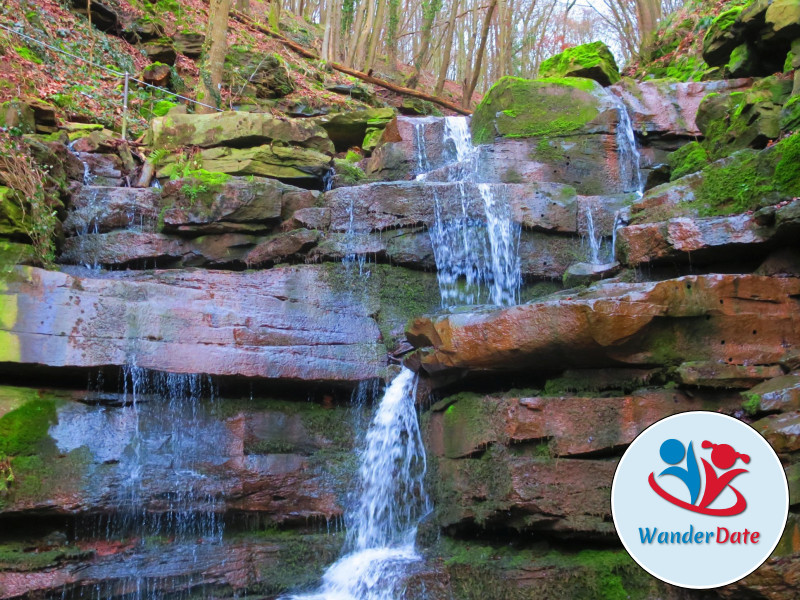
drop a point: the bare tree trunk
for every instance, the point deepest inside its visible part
(360, 11)
(430, 8)
(376, 35)
(448, 49)
(243, 6)
(363, 36)
(476, 70)
(213, 59)
(648, 12)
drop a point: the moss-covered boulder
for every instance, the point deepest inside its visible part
(13, 221)
(551, 107)
(239, 130)
(593, 61)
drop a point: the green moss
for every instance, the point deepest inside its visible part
(20, 557)
(299, 563)
(787, 171)
(481, 572)
(723, 21)
(790, 116)
(347, 172)
(162, 107)
(688, 159)
(733, 186)
(469, 422)
(22, 429)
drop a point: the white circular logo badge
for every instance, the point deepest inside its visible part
(700, 500)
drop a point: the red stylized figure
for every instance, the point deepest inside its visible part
(724, 457)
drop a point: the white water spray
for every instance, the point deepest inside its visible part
(382, 526)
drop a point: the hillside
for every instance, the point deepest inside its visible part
(139, 37)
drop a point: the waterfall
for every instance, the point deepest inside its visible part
(477, 259)
(382, 524)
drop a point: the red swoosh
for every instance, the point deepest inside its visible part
(736, 509)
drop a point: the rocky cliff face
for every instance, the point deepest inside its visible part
(235, 324)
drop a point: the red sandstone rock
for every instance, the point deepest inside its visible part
(724, 318)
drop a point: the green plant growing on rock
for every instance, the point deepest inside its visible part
(751, 404)
(20, 172)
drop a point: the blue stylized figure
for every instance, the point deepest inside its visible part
(672, 452)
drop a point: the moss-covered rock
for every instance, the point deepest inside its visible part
(17, 116)
(747, 119)
(688, 159)
(783, 19)
(790, 115)
(553, 107)
(14, 223)
(593, 61)
(742, 61)
(292, 164)
(721, 37)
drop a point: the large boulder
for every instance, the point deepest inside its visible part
(592, 61)
(708, 240)
(555, 107)
(292, 164)
(230, 204)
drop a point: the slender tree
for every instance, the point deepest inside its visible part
(212, 60)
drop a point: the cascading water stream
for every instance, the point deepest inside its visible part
(477, 259)
(382, 524)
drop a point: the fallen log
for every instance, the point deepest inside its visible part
(347, 70)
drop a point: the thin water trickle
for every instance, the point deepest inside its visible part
(161, 441)
(629, 158)
(391, 501)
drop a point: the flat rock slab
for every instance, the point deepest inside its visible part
(714, 318)
(568, 496)
(287, 323)
(706, 239)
